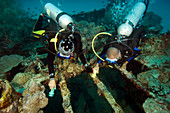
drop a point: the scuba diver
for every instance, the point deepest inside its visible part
(65, 42)
(122, 48)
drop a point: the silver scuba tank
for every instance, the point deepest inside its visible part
(132, 19)
(57, 15)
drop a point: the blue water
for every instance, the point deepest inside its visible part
(159, 7)
(69, 6)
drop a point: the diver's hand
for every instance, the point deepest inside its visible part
(88, 68)
(96, 69)
(52, 84)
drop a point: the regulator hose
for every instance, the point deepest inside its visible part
(102, 33)
(105, 33)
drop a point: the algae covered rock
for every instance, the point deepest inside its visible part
(7, 62)
(21, 78)
(34, 98)
(155, 106)
(8, 95)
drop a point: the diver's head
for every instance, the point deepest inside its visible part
(113, 54)
(66, 48)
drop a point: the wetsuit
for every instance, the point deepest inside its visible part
(38, 31)
(127, 48)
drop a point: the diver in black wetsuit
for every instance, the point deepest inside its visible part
(66, 43)
(121, 48)
(120, 52)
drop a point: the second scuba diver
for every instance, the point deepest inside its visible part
(120, 49)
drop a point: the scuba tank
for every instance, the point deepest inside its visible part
(62, 18)
(132, 19)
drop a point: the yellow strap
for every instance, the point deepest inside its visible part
(36, 36)
(55, 39)
(39, 32)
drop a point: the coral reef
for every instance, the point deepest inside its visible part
(154, 105)
(32, 89)
(67, 68)
(7, 62)
(21, 78)
(65, 94)
(33, 99)
(33, 96)
(154, 82)
(155, 52)
(155, 85)
(9, 97)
